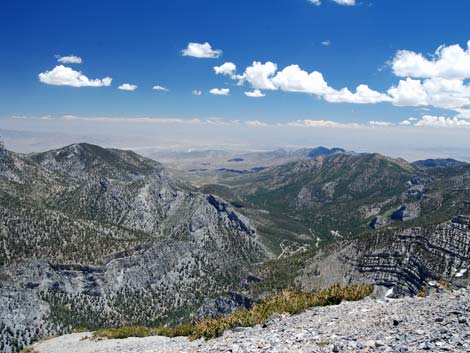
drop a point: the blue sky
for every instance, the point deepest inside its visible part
(140, 43)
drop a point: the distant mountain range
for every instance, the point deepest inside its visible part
(94, 237)
(323, 151)
(431, 163)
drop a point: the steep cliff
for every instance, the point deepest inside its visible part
(403, 260)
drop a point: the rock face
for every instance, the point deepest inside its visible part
(407, 212)
(404, 261)
(223, 305)
(3, 150)
(379, 222)
(97, 237)
(437, 323)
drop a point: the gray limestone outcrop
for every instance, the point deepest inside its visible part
(405, 261)
(223, 305)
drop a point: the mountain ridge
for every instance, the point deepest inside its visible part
(85, 228)
(96, 237)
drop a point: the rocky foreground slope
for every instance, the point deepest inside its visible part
(439, 323)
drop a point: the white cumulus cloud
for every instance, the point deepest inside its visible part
(255, 123)
(201, 50)
(447, 93)
(345, 2)
(220, 91)
(65, 76)
(227, 69)
(160, 88)
(322, 124)
(451, 62)
(380, 123)
(440, 81)
(409, 92)
(363, 95)
(437, 92)
(293, 79)
(442, 122)
(339, 2)
(196, 92)
(127, 87)
(255, 94)
(70, 59)
(259, 75)
(436, 122)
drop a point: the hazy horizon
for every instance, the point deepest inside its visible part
(397, 143)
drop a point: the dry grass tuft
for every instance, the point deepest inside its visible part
(285, 302)
(28, 350)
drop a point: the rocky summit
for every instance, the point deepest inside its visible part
(439, 323)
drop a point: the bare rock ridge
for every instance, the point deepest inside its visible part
(223, 207)
(405, 261)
